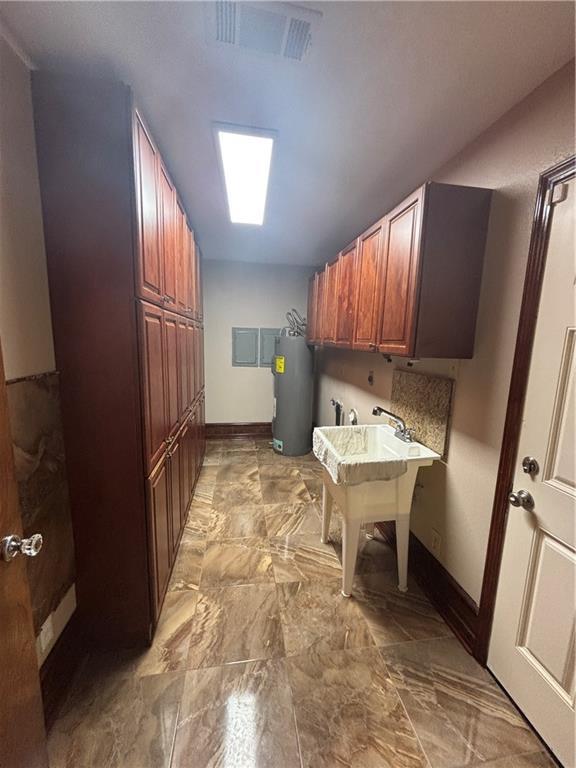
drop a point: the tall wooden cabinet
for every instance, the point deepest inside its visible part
(410, 284)
(126, 301)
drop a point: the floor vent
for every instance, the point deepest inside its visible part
(274, 29)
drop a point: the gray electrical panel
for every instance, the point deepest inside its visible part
(293, 369)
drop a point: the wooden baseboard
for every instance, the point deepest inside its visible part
(452, 602)
(58, 670)
(239, 429)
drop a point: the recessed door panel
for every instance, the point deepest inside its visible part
(367, 288)
(149, 282)
(153, 384)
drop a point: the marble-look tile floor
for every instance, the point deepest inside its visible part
(259, 662)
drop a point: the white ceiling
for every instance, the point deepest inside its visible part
(390, 91)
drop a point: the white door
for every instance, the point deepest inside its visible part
(533, 637)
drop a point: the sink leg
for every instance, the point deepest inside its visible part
(402, 538)
(326, 514)
(350, 539)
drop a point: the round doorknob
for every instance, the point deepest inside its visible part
(10, 546)
(521, 499)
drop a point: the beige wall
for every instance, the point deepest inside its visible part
(25, 324)
(251, 296)
(456, 497)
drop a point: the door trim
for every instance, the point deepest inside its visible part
(562, 172)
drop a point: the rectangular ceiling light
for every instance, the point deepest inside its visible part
(246, 160)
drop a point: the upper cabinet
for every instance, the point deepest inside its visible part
(366, 280)
(346, 294)
(168, 260)
(330, 303)
(399, 260)
(413, 277)
(150, 270)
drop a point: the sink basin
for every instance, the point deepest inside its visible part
(370, 474)
(360, 454)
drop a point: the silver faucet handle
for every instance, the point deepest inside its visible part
(353, 416)
(409, 435)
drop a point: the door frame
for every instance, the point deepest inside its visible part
(559, 173)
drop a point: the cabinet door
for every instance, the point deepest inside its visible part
(331, 302)
(185, 477)
(158, 495)
(194, 449)
(183, 388)
(149, 265)
(319, 314)
(198, 283)
(182, 259)
(200, 360)
(346, 295)
(168, 240)
(175, 455)
(191, 273)
(191, 350)
(367, 289)
(153, 387)
(172, 371)
(401, 259)
(311, 318)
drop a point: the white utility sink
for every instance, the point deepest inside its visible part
(370, 474)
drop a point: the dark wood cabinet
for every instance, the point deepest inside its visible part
(182, 260)
(330, 302)
(150, 269)
(320, 307)
(153, 381)
(415, 276)
(175, 456)
(399, 276)
(346, 296)
(172, 371)
(122, 272)
(169, 237)
(311, 312)
(367, 287)
(158, 488)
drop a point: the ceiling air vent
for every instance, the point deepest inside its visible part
(225, 21)
(277, 29)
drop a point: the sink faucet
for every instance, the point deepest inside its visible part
(402, 432)
(338, 406)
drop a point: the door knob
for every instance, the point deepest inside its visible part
(521, 499)
(10, 546)
(530, 466)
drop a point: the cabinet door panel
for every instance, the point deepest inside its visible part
(183, 387)
(191, 273)
(331, 302)
(171, 362)
(320, 307)
(346, 296)
(367, 288)
(399, 289)
(182, 258)
(149, 266)
(191, 349)
(175, 458)
(153, 386)
(158, 492)
(185, 484)
(169, 229)
(311, 317)
(198, 283)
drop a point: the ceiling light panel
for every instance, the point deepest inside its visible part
(246, 159)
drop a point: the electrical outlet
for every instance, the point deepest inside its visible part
(436, 541)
